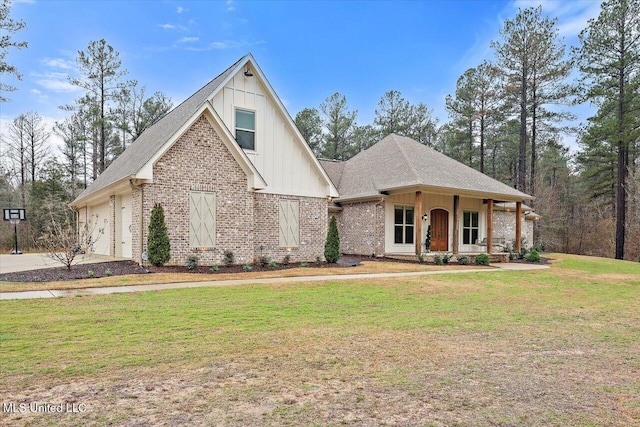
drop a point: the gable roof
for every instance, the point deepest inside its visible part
(398, 162)
(145, 150)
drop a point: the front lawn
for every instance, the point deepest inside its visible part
(544, 347)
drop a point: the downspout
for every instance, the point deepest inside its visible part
(375, 224)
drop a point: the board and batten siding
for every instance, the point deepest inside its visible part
(279, 156)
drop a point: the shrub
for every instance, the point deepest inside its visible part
(437, 260)
(215, 268)
(192, 262)
(304, 264)
(318, 261)
(247, 267)
(482, 259)
(228, 258)
(90, 273)
(463, 260)
(158, 244)
(532, 256)
(512, 255)
(332, 244)
(263, 261)
(446, 258)
(420, 258)
(108, 272)
(273, 264)
(286, 260)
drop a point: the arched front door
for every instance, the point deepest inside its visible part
(439, 230)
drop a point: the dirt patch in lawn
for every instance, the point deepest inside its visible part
(127, 273)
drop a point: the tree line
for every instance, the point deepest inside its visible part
(111, 112)
(508, 117)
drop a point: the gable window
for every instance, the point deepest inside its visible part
(202, 219)
(470, 228)
(403, 225)
(289, 223)
(246, 129)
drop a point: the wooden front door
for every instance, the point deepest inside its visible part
(439, 230)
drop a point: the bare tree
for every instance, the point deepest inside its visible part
(63, 240)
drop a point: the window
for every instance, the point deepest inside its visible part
(470, 228)
(403, 225)
(289, 223)
(246, 129)
(202, 219)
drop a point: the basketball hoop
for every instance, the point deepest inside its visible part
(14, 216)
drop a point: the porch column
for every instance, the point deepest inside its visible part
(417, 219)
(518, 226)
(456, 232)
(489, 226)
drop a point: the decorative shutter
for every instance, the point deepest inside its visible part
(195, 220)
(289, 223)
(202, 219)
(208, 227)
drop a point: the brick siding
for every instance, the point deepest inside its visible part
(361, 228)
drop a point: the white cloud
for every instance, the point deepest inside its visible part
(230, 6)
(181, 9)
(58, 63)
(55, 82)
(188, 39)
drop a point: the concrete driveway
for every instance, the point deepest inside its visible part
(24, 262)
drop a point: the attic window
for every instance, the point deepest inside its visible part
(246, 129)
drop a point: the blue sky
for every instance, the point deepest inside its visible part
(308, 50)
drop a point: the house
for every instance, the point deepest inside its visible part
(394, 192)
(233, 173)
(230, 170)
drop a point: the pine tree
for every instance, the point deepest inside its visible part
(332, 245)
(609, 60)
(158, 245)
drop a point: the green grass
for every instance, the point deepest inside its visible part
(401, 335)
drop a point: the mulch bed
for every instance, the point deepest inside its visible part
(120, 268)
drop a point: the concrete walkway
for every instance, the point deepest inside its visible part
(235, 282)
(37, 261)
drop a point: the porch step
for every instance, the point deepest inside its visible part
(428, 257)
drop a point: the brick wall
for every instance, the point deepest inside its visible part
(200, 161)
(313, 228)
(361, 228)
(504, 226)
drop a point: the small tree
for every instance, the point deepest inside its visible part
(427, 240)
(158, 244)
(62, 241)
(332, 245)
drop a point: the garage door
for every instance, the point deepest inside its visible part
(101, 231)
(125, 221)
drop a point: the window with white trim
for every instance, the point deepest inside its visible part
(470, 227)
(403, 224)
(202, 219)
(289, 223)
(246, 129)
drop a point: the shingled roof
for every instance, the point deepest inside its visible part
(152, 139)
(397, 163)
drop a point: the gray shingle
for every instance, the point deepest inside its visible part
(397, 161)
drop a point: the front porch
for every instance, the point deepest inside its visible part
(421, 222)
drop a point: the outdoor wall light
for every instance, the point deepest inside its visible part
(248, 73)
